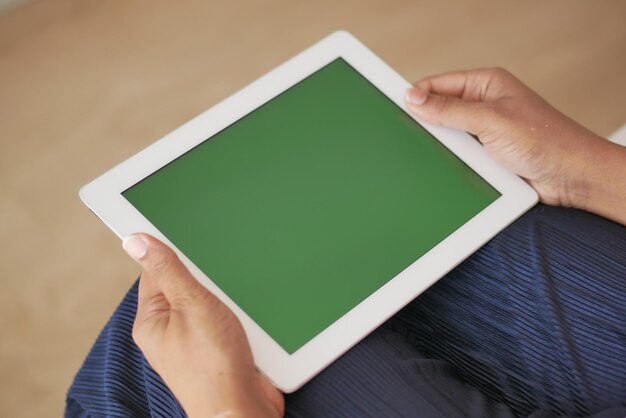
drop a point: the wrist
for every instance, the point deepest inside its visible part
(225, 406)
(584, 172)
(226, 398)
(599, 184)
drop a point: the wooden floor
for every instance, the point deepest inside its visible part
(85, 84)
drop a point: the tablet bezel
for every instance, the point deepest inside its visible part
(290, 371)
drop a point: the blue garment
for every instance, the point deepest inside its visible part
(533, 324)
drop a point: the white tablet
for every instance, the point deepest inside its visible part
(313, 204)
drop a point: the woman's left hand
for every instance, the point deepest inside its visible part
(195, 343)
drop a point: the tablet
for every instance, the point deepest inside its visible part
(312, 204)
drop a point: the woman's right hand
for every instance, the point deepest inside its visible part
(564, 162)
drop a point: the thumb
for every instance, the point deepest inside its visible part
(163, 271)
(448, 111)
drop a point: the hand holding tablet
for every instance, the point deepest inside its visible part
(194, 341)
(312, 205)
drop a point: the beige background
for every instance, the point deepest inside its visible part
(85, 84)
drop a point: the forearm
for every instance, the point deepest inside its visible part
(603, 188)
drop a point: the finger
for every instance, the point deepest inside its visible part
(152, 312)
(148, 292)
(447, 111)
(448, 84)
(474, 85)
(163, 272)
(149, 296)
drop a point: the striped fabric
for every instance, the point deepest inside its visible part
(537, 318)
(116, 380)
(533, 324)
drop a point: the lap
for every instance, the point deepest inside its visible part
(534, 320)
(116, 379)
(537, 317)
(385, 376)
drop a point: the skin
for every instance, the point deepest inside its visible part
(566, 164)
(195, 343)
(198, 345)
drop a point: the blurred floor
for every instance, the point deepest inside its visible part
(85, 84)
(6, 5)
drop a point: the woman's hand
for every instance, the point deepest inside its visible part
(565, 163)
(194, 341)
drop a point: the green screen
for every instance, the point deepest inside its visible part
(306, 206)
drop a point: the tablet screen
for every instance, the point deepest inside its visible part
(307, 205)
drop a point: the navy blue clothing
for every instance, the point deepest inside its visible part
(533, 324)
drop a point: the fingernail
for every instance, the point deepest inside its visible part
(135, 246)
(416, 96)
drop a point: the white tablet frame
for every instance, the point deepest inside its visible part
(289, 372)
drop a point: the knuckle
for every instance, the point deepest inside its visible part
(163, 264)
(497, 72)
(137, 334)
(182, 302)
(446, 105)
